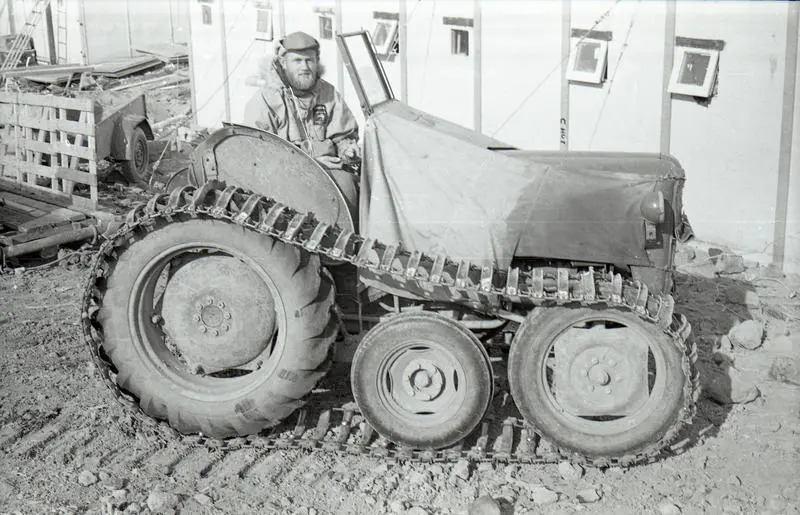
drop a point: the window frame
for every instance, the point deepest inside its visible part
(454, 32)
(386, 47)
(706, 90)
(328, 20)
(596, 76)
(268, 34)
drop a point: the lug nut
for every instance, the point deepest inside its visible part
(595, 361)
(225, 327)
(203, 329)
(221, 305)
(216, 333)
(209, 301)
(611, 362)
(226, 316)
(608, 391)
(156, 319)
(196, 318)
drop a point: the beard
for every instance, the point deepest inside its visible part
(305, 81)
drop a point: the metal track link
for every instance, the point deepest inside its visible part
(485, 289)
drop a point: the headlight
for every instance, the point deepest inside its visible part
(652, 207)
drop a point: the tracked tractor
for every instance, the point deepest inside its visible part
(468, 271)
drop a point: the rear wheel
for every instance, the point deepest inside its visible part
(137, 168)
(422, 380)
(217, 329)
(602, 383)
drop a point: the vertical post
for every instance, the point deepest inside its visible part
(566, 33)
(11, 24)
(192, 67)
(171, 24)
(282, 18)
(666, 97)
(51, 35)
(339, 58)
(477, 79)
(84, 36)
(128, 26)
(402, 44)
(787, 124)
(224, 49)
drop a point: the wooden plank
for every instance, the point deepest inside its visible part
(14, 218)
(39, 147)
(79, 104)
(59, 216)
(83, 204)
(21, 202)
(61, 124)
(61, 173)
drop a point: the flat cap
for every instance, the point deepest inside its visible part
(297, 41)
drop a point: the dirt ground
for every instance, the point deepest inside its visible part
(67, 447)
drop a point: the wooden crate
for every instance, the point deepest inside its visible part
(47, 146)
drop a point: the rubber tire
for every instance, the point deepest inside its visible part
(380, 340)
(137, 174)
(530, 346)
(307, 294)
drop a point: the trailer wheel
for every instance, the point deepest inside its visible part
(137, 168)
(216, 329)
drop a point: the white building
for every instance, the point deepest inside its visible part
(730, 113)
(94, 31)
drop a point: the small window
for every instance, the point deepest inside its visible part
(264, 24)
(325, 27)
(385, 36)
(587, 60)
(459, 42)
(694, 71)
(207, 20)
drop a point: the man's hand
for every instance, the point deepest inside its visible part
(330, 162)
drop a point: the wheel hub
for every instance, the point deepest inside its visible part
(601, 372)
(423, 380)
(218, 313)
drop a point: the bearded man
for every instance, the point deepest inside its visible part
(320, 122)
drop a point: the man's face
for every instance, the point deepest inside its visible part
(302, 69)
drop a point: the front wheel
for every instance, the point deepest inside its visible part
(216, 329)
(602, 383)
(137, 168)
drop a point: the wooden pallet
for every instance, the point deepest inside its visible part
(48, 146)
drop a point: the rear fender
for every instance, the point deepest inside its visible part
(263, 163)
(123, 135)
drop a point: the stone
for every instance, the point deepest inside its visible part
(786, 370)
(570, 471)
(86, 478)
(397, 506)
(461, 470)
(119, 494)
(436, 470)
(540, 494)
(510, 471)
(485, 467)
(588, 495)
(728, 264)
(134, 507)
(162, 502)
(484, 505)
(739, 294)
(728, 385)
(203, 499)
(784, 344)
(748, 334)
(668, 508)
(417, 510)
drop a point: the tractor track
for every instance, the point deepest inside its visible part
(338, 427)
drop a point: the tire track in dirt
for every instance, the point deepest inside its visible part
(33, 441)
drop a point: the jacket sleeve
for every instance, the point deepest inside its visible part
(258, 114)
(343, 124)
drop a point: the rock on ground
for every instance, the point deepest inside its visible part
(86, 478)
(570, 471)
(668, 508)
(589, 495)
(748, 334)
(786, 369)
(484, 505)
(543, 495)
(728, 385)
(162, 502)
(461, 470)
(729, 264)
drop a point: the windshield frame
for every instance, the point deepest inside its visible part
(355, 77)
